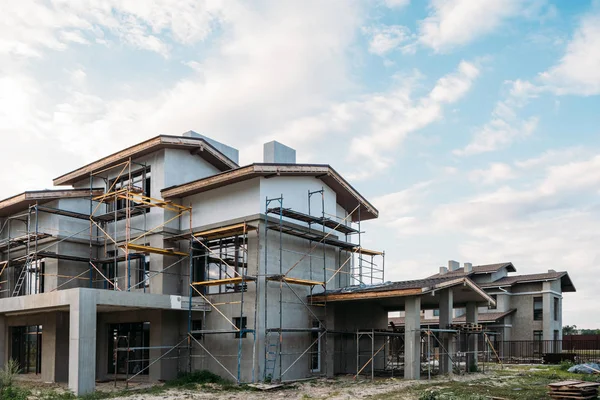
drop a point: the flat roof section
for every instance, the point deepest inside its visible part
(22, 201)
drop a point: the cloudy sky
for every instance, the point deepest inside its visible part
(472, 125)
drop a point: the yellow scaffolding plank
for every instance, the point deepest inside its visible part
(295, 281)
(367, 252)
(126, 194)
(154, 250)
(225, 231)
(225, 281)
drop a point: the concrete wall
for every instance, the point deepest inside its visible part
(230, 202)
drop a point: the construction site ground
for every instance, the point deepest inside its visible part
(510, 382)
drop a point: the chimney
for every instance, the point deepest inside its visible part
(551, 271)
(277, 153)
(468, 268)
(443, 270)
(453, 265)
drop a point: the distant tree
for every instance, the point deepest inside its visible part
(570, 330)
(589, 331)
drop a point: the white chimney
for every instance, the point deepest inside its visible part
(443, 270)
(468, 268)
(453, 265)
(277, 153)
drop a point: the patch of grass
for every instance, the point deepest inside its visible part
(197, 378)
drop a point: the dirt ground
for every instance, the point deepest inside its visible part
(341, 388)
(514, 382)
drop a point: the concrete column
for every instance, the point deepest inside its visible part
(446, 310)
(82, 342)
(548, 316)
(473, 318)
(412, 338)
(3, 340)
(49, 348)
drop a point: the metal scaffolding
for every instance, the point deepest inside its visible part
(319, 232)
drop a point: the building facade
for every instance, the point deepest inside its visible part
(528, 307)
(171, 249)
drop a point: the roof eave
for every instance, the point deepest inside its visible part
(156, 143)
(320, 171)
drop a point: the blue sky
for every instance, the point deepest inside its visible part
(472, 125)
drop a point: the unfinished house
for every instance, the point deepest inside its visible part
(526, 321)
(168, 257)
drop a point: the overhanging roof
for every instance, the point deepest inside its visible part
(196, 145)
(388, 292)
(22, 201)
(563, 276)
(347, 196)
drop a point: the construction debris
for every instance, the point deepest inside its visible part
(573, 390)
(588, 368)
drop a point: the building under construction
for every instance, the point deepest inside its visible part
(168, 257)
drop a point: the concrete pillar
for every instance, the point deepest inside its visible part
(446, 309)
(3, 340)
(473, 318)
(548, 315)
(412, 338)
(49, 347)
(82, 342)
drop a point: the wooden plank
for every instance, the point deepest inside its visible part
(154, 250)
(367, 252)
(366, 295)
(225, 281)
(230, 230)
(296, 281)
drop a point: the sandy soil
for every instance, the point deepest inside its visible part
(339, 389)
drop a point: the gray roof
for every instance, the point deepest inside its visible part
(479, 270)
(566, 284)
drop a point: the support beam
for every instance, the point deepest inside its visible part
(82, 342)
(412, 338)
(473, 318)
(446, 310)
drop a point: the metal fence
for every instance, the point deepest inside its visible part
(548, 351)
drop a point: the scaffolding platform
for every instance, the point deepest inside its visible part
(22, 240)
(309, 219)
(216, 233)
(367, 252)
(225, 281)
(295, 281)
(119, 214)
(313, 236)
(154, 250)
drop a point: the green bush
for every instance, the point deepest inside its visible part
(196, 378)
(13, 393)
(430, 395)
(565, 365)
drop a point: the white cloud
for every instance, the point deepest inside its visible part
(389, 118)
(453, 23)
(497, 172)
(505, 127)
(396, 3)
(244, 94)
(29, 27)
(386, 38)
(578, 71)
